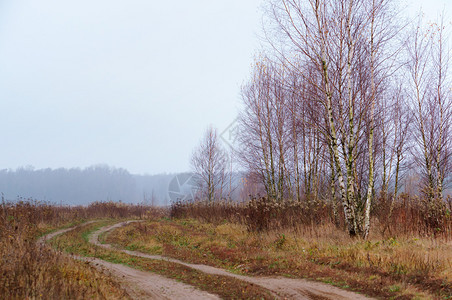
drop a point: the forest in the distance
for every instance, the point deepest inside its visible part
(78, 186)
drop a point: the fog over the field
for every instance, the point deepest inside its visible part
(132, 84)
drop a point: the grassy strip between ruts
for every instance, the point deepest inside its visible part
(391, 269)
(76, 242)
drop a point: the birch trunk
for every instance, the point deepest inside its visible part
(371, 134)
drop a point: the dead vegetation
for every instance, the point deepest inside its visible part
(404, 256)
(32, 271)
(408, 215)
(380, 267)
(76, 242)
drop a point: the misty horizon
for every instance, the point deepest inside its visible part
(98, 183)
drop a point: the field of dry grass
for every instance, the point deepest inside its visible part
(32, 271)
(76, 242)
(402, 266)
(401, 260)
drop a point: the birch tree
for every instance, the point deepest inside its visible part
(209, 162)
(345, 42)
(265, 129)
(431, 104)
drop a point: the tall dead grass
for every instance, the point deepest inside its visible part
(406, 254)
(29, 270)
(408, 218)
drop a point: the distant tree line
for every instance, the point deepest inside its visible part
(78, 186)
(83, 186)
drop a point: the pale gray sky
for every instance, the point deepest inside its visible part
(132, 84)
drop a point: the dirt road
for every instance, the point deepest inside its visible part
(284, 287)
(140, 284)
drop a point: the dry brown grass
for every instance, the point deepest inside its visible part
(399, 267)
(409, 217)
(28, 270)
(76, 242)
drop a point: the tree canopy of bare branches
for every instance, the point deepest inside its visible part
(329, 113)
(209, 162)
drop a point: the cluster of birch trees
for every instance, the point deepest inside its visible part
(344, 100)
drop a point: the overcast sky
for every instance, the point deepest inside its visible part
(130, 83)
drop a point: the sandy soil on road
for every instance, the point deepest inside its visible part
(147, 285)
(285, 287)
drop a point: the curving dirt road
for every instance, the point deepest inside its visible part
(284, 287)
(139, 284)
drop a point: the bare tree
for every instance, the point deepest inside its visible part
(265, 129)
(431, 104)
(345, 43)
(328, 114)
(209, 162)
(401, 123)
